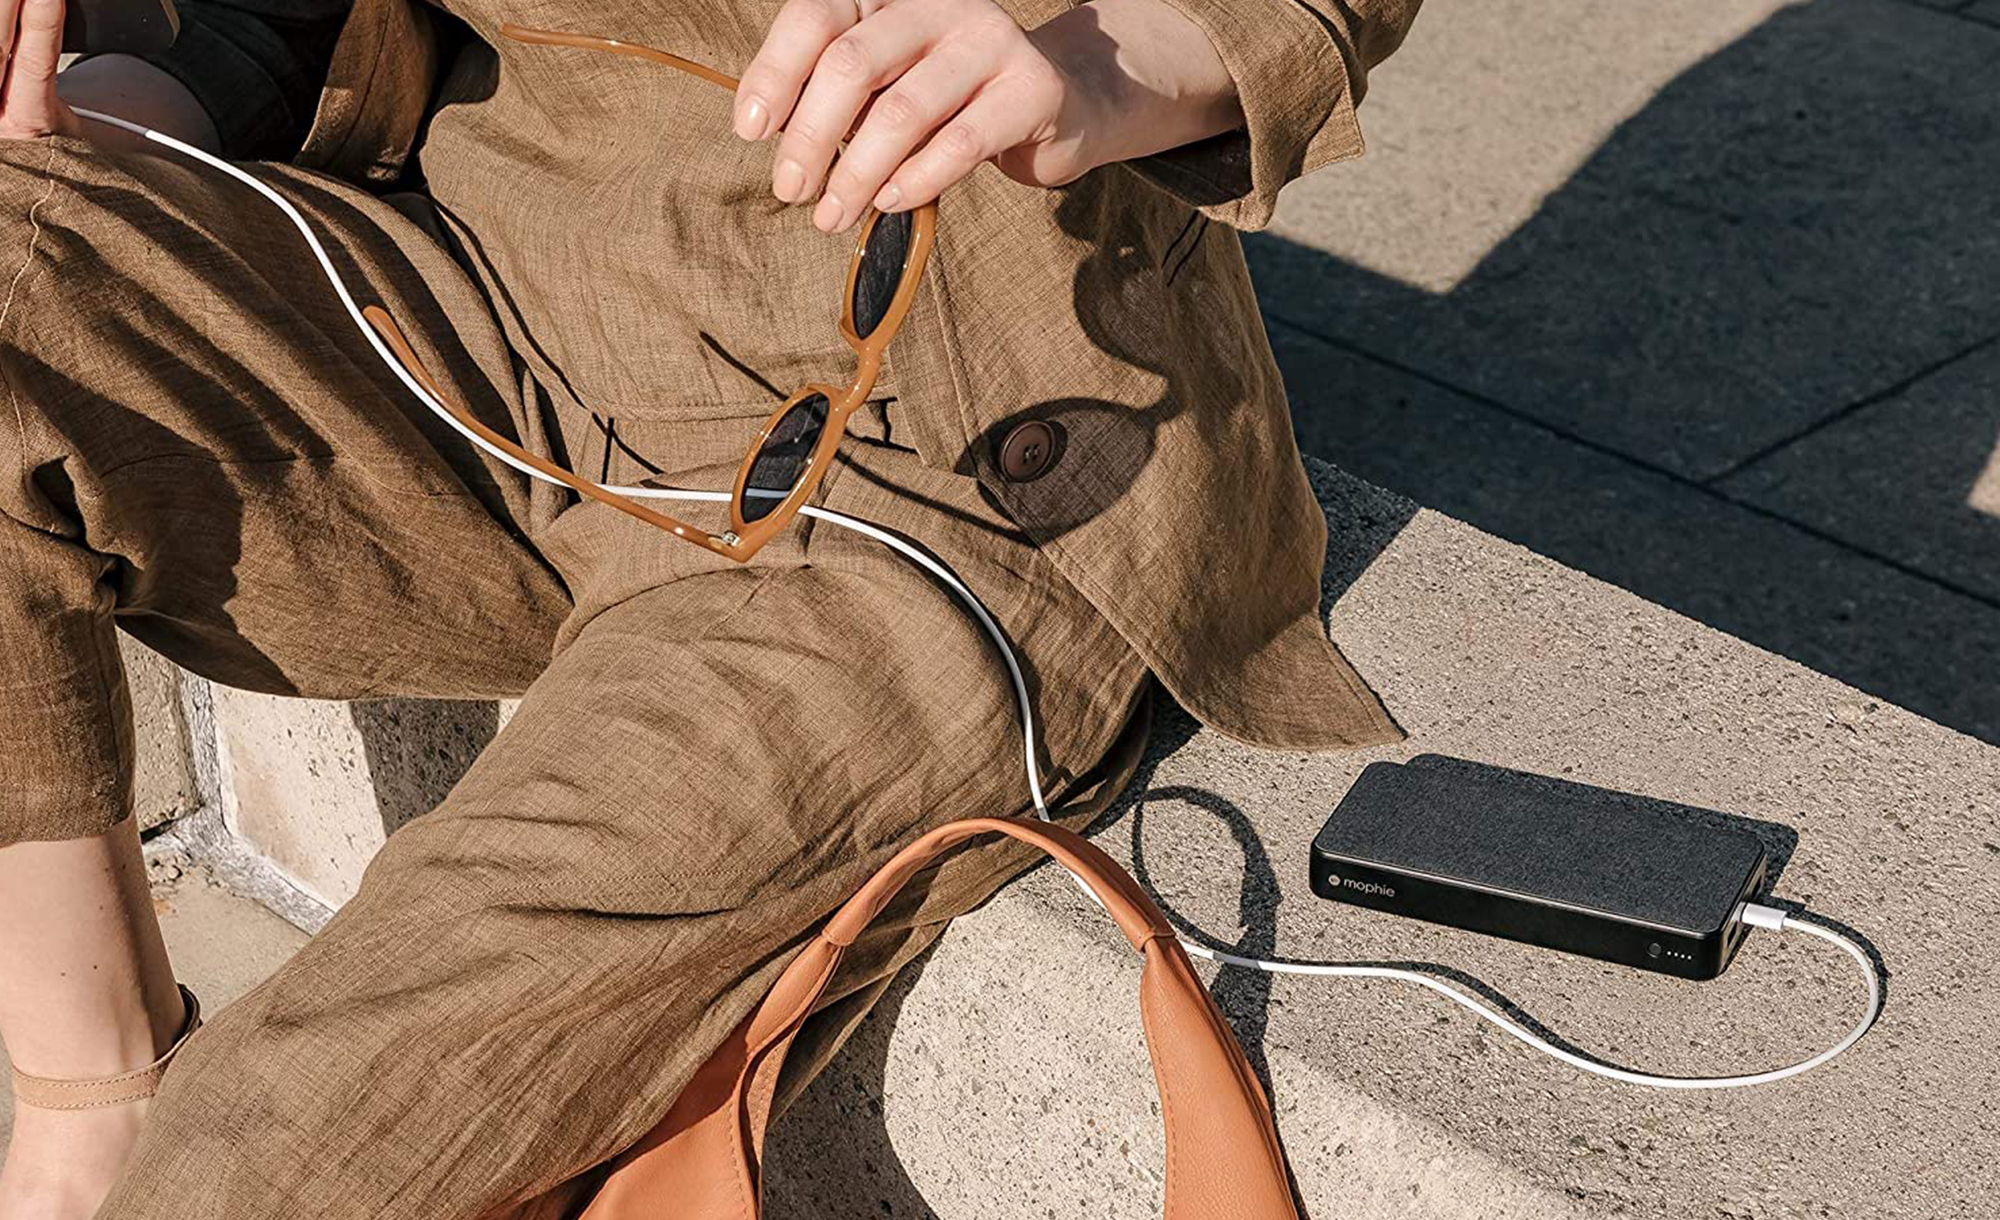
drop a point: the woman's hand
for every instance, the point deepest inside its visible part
(32, 48)
(928, 89)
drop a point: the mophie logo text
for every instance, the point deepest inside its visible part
(1366, 887)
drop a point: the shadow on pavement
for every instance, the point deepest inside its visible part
(1743, 363)
(418, 749)
(833, 1154)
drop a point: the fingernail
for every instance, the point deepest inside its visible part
(751, 116)
(830, 213)
(888, 198)
(789, 182)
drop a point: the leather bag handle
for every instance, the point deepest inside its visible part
(703, 1161)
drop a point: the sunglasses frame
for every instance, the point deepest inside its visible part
(744, 537)
(841, 404)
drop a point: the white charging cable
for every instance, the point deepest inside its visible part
(1752, 914)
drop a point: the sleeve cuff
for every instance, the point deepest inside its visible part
(1298, 109)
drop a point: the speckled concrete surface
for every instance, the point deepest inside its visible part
(1010, 1081)
(1695, 296)
(1007, 1079)
(317, 787)
(163, 782)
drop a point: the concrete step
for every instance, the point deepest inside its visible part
(1012, 1067)
(1006, 1078)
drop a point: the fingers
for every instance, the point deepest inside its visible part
(38, 50)
(10, 13)
(937, 87)
(771, 84)
(894, 125)
(28, 102)
(848, 72)
(1010, 112)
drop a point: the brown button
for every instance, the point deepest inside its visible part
(1029, 452)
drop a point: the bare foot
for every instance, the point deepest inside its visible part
(62, 1163)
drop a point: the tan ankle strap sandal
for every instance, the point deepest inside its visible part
(124, 1088)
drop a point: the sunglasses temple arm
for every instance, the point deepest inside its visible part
(391, 334)
(590, 42)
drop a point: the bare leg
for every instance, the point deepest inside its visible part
(85, 986)
(407, 535)
(85, 991)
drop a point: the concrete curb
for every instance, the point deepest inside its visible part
(1006, 1077)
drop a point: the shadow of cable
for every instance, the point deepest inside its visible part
(1245, 994)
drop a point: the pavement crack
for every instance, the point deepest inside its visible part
(1698, 486)
(1873, 398)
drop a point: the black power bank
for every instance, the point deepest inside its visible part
(1547, 862)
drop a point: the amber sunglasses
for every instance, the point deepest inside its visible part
(792, 452)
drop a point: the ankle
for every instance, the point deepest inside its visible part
(122, 1034)
(86, 986)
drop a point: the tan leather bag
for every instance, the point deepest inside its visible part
(1223, 1160)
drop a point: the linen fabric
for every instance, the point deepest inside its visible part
(708, 758)
(1112, 309)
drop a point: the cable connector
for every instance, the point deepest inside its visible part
(1763, 917)
(1751, 914)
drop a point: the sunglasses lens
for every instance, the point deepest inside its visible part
(881, 270)
(786, 453)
